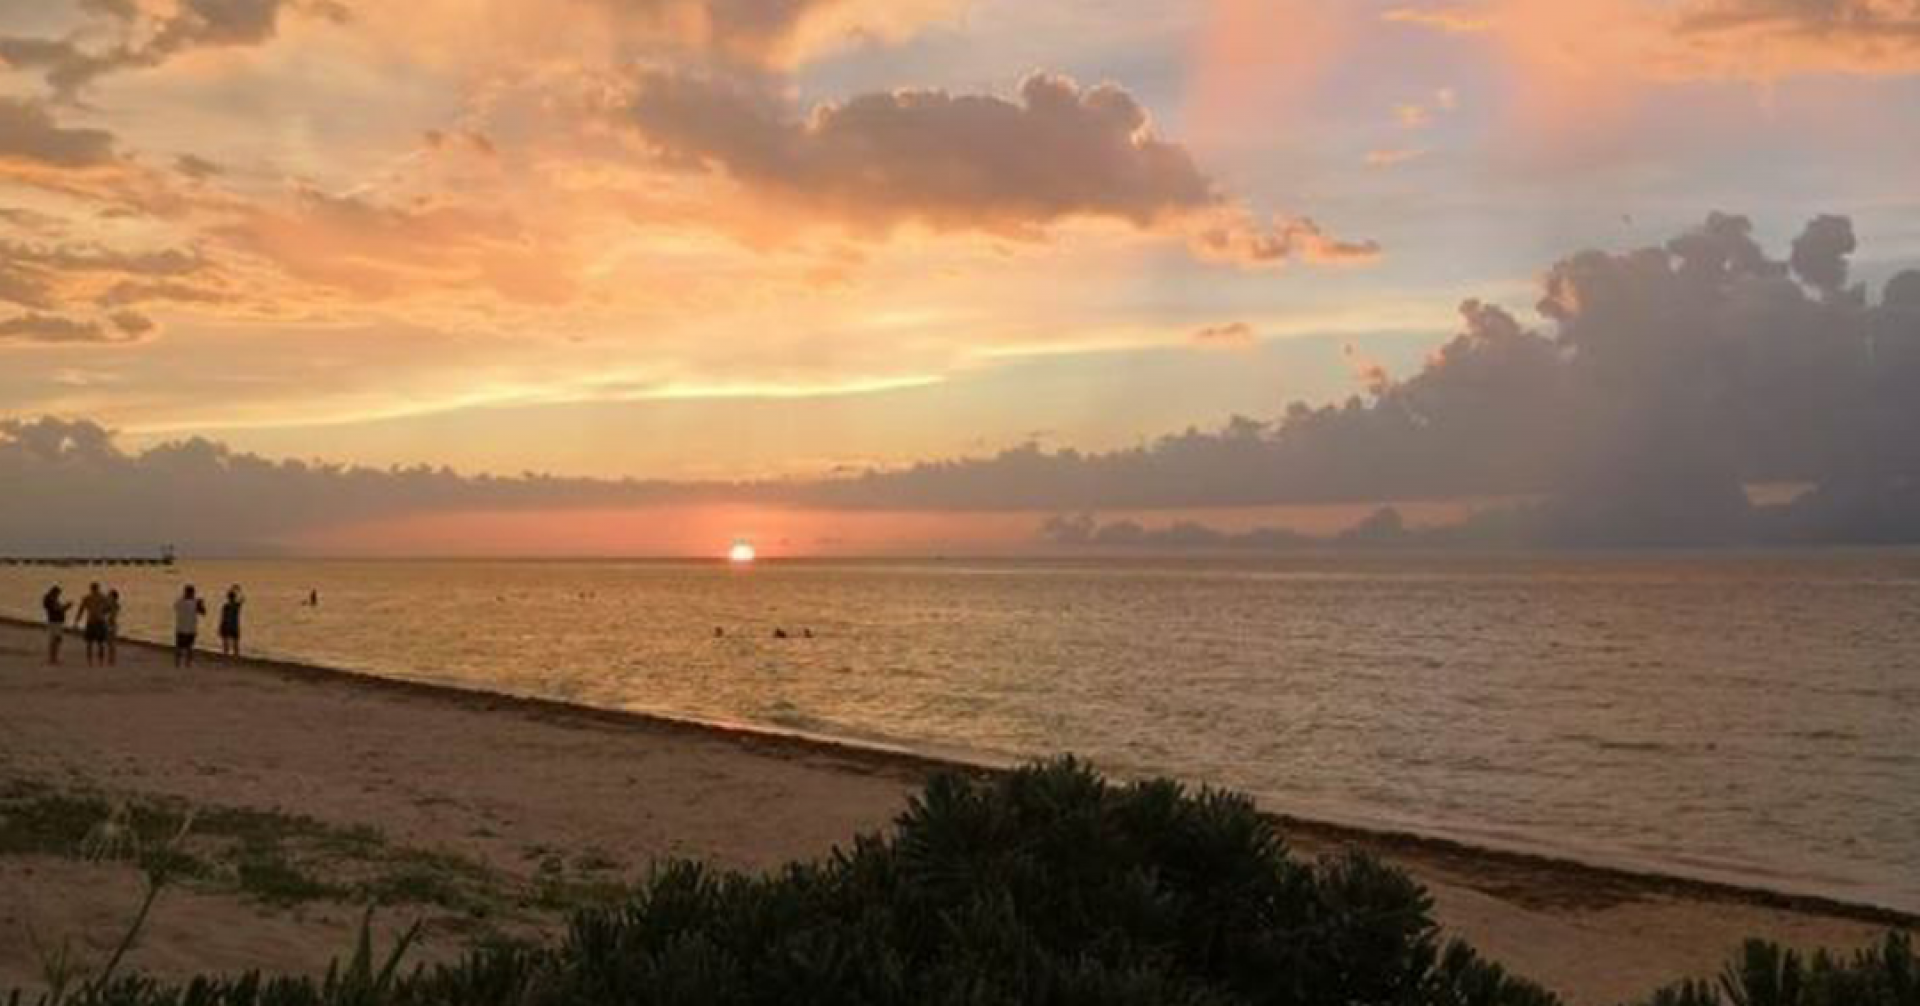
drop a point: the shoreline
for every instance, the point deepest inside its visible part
(904, 765)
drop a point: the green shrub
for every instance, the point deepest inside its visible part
(1046, 886)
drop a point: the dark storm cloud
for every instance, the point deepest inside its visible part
(1669, 378)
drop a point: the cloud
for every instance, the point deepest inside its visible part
(23, 286)
(1237, 241)
(1457, 20)
(1682, 40)
(1085, 530)
(44, 274)
(150, 35)
(1235, 335)
(37, 329)
(754, 36)
(964, 162)
(1671, 376)
(196, 167)
(777, 32)
(29, 134)
(70, 486)
(950, 161)
(373, 250)
(1664, 380)
(1820, 254)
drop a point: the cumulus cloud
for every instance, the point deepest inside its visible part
(948, 160)
(956, 162)
(1671, 377)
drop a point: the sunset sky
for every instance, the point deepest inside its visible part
(777, 239)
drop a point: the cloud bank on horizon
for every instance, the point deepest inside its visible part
(761, 244)
(1668, 380)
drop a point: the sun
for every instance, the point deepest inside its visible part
(741, 552)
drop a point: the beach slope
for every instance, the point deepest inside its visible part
(489, 817)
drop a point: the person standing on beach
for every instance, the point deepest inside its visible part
(56, 609)
(230, 622)
(187, 612)
(93, 624)
(113, 628)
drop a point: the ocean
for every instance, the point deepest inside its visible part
(1752, 718)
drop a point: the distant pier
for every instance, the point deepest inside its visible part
(81, 561)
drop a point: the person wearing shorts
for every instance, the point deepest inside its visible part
(93, 624)
(187, 612)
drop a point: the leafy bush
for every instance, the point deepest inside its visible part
(1766, 975)
(1046, 885)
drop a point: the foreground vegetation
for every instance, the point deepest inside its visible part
(1047, 885)
(279, 860)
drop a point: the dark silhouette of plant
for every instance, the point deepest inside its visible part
(1767, 975)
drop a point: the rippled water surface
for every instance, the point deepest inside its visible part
(1747, 718)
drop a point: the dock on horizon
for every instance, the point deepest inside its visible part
(165, 558)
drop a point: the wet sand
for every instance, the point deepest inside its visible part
(516, 784)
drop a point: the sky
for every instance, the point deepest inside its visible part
(782, 244)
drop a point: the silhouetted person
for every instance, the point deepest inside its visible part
(230, 622)
(56, 609)
(187, 612)
(93, 624)
(113, 628)
(779, 633)
(313, 599)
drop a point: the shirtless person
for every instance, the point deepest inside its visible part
(96, 616)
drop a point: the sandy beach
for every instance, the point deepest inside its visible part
(489, 817)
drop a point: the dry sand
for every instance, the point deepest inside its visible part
(512, 784)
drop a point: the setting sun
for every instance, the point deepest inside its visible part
(742, 552)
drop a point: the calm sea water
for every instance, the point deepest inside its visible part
(1747, 718)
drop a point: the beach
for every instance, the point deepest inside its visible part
(490, 816)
